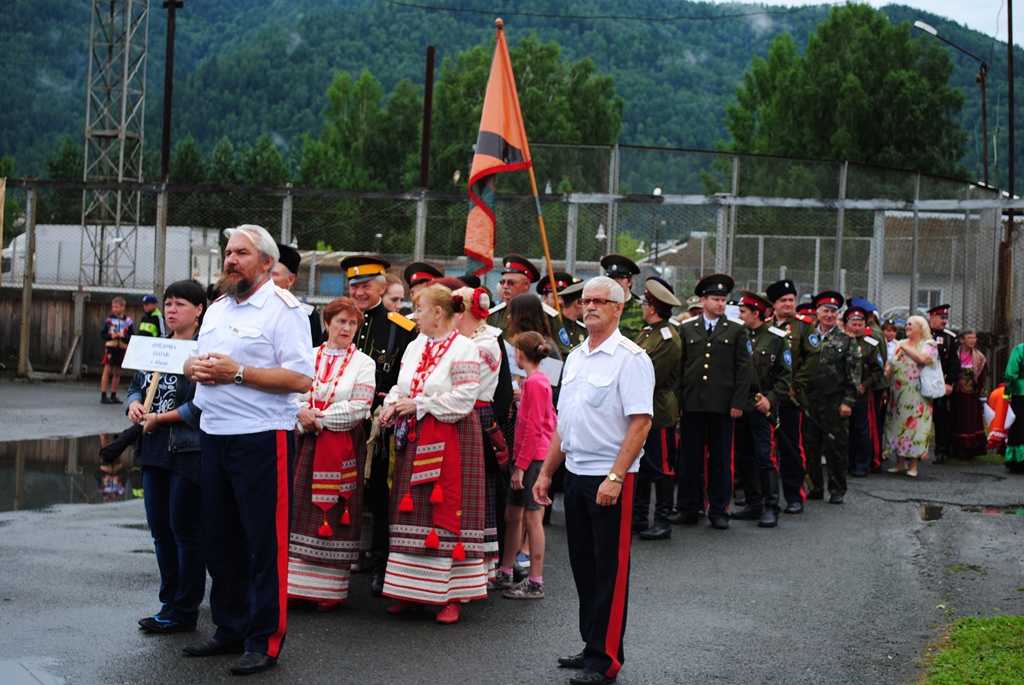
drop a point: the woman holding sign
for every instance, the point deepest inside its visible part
(171, 466)
(330, 456)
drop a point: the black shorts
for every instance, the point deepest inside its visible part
(113, 356)
(524, 498)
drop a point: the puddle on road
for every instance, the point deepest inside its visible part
(929, 512)
(29, 672)
(35, 474)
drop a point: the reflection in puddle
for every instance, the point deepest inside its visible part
(28, 672)
(930, 512)
(35, 474)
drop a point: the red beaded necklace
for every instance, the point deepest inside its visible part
(326, 375)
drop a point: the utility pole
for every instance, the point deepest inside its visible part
(165, 151)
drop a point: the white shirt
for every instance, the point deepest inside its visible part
(350, 399)
(267, 331)
(890, 350)
(710, 322)
(451, 389)
(600, 391)
(486, 339)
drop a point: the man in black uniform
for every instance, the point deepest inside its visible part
(792, 467)
(621, 269)
(284, 274)
(715, 379)
(383, 336)
(949, 358)
(418, 276)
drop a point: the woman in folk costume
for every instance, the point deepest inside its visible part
(437, 496)
(327, 497)
(495, 393)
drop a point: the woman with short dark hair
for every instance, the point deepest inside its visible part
(967, 419)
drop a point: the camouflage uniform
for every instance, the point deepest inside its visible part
(792, 466)
(827, 378)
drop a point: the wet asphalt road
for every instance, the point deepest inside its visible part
(841, 594)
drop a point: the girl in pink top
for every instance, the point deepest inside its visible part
(535, 424)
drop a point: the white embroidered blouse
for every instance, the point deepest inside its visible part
(450, 391)
(486, 339)
(351, 398)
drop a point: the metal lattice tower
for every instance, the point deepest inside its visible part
(114, 140)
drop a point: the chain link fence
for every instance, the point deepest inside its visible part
(902, 240)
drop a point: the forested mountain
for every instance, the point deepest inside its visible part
(244, 69)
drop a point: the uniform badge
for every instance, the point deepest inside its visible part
(787, 357)
(813, 339)
(563, 336)
(750, 348)
(879, 358)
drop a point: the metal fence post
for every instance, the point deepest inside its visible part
(571, 228)
(160, 242)
(913, 249)
(878, 250)
(286, 216)
(81, 297)
(817, 262)
(721, 240)
(420, 244)
(24, 366)
(839, 225)
(731, 258)
(760, 262)
(613, 207)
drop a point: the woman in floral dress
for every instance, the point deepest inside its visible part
(908, 430)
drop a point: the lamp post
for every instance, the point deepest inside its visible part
(601, 237)
(654, 226)
(981, 78)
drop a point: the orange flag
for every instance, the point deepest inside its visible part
(501, 146)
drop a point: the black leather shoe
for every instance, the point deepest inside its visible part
(769, 519)
(162, 623)
(794, 508)
(658, 531)
(252, 662)
(574, 661)
(679, 517)
(519, 573)
(816, 494)
(719, 522)
(836, 498)
(377, 584)
(939, 458)
(590, 677)
(212, 647)
(747, 514)
(639, 527)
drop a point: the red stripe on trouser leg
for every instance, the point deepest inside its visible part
(617, 619)
(772, 455)
(876, 457)
(281, 536)
(666, 467)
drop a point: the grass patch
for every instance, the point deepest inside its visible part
(979, 650)
(961, 567)
(986, 459)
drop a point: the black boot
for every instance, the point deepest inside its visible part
(380, 565)
(664, 490)
(754, 505)
(641, 502)
(770, 490)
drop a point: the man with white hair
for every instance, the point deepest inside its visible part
(254, 357)
(605, 409)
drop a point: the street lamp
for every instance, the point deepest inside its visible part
(601, 237)
(981, 78)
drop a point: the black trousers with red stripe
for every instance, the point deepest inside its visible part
(246, 493)
(697, 429)
(792, 466)
(598, 539)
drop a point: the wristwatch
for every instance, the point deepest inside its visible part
(238, 375)
(615, 479)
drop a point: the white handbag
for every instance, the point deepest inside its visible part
(933, 385)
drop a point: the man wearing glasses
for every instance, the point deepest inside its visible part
(604, 413)
(517, 275)
(621, 269)
(949, 358)
(716, 379)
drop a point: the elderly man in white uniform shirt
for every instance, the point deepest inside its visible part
(254, 357)
(605, 410)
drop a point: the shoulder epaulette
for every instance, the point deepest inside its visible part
(493, 330)
(949, 332)
(550, 311)
(675, 323)
(631, 346)
(288, 298)
(778, 331)
(307, 308)
(870, 341)
(407, 324)
(219, 298)
(686, 321)
(736, 321)
(496, 308)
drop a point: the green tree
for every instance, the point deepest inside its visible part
(864, 92)
(263, 165)
(187, 164)
(63, 206)
(223, 167)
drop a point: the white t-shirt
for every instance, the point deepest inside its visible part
(267, 331)
(601, 390)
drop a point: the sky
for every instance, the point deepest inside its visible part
(987, 16)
